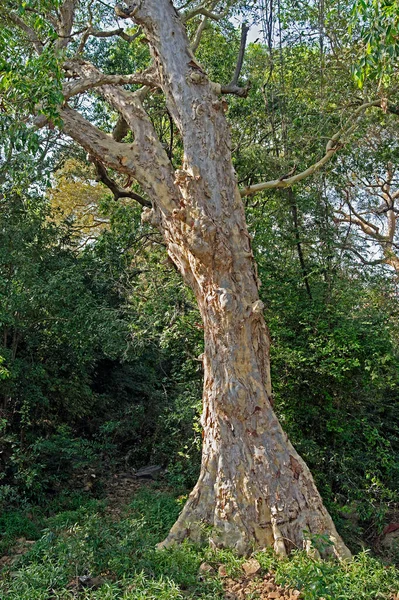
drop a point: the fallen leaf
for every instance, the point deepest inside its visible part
(390, 528)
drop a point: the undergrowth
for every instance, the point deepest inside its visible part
(89, 540)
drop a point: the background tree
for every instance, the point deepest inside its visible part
(367, 200)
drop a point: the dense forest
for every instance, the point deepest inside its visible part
(199, 286)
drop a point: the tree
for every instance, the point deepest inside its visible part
(253, 489)
(76, 197)
(368, 198)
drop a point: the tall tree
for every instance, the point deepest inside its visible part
(253, 489)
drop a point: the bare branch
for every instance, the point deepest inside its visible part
(102, 147)
(144, 159)
(92, 32)
(119, 32)
(201, 27)
(360, 217)
(241, 53)
(372, 263)
(198, 34)
(364, 226)
(235, 90)
(117, 191)
(128, 104)
(204, 11)
(98, 79)
(333, 145)
(232, 87)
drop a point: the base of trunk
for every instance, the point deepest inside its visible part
(312, 530)
(250, 496)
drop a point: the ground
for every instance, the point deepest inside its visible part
(105, 550)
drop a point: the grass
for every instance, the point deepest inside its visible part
(87, 541)
(29, 522)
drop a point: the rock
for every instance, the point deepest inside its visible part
(251, 567)
(150, 472)
(206, 568)
(222, 571)
(390, 541)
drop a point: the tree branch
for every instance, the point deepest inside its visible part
(360, 217)
(30, 33)
(365, 227)
(241, 54)
(201, 28)
(232, 87)
(332, 146)
(120, 32)
(65, 24)
(145, 159)
(372, 263)
(203, 10)
(127, 104)
(121, 130)
(117, 191)
(97, 79)
(102, 147)
(235, 90)
(198, 34)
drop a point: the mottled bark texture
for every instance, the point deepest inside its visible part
(253, 490)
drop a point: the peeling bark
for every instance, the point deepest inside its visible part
(254, 490)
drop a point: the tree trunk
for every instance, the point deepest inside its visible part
(253, 490)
